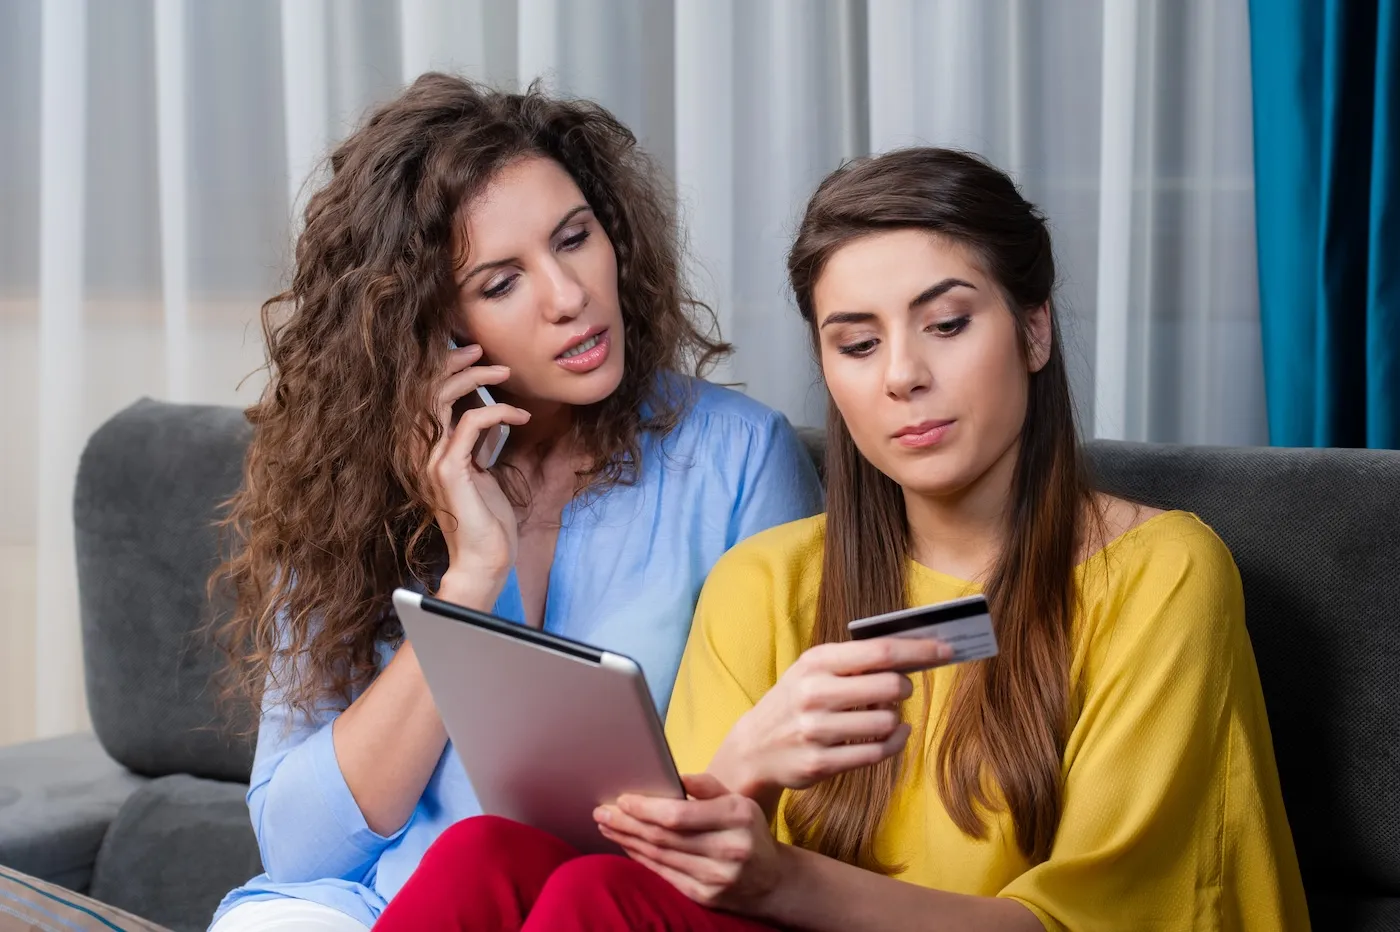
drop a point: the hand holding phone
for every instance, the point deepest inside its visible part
(492, 440)
(477, 520)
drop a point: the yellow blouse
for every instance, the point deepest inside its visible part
(1172, 816)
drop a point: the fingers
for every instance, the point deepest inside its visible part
(704, 786)
(701, 879)
(828, 728)
(678, 879)
(815, 762)
(456, 453)
(463, 383)
(461, 357)
(709, 856)
(688, 815)
(822, 691)
(848, 658)
(844, 757)
(615, 823)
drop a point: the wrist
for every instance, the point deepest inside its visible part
(734, 768)
(477, 591)
(774, 905)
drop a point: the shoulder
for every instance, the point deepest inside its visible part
(777, 570)
(734, 437)
(1167, 585)
(724, 408)
(1169, 545)
(794, 548)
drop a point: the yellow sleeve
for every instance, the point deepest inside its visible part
(1172, 812)
(739, 644)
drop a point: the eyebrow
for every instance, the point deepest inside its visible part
(931, 293)
(497, 263)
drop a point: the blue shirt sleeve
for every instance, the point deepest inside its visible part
(308, 825)
(779, 481)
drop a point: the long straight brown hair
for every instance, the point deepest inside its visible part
(1005, 726)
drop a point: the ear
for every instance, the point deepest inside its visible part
(1039, 327)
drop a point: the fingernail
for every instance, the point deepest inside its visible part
(601, 814)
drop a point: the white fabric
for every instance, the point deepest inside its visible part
(285, 916)
(154, 151)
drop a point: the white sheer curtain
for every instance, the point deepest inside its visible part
(154, 151)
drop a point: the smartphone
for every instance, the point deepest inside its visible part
(964, 624)
(492, 440)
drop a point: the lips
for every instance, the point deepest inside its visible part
(581, 343)
(923, 434)
(586, 352)
(583, 347)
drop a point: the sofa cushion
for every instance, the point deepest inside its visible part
(147, 489)
(1316, 535)
(176, 848)
(28, 904)
(57, 798)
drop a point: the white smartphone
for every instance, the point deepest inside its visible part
(492, 440)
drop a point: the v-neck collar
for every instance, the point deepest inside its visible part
(510, 605)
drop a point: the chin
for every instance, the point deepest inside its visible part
(590, 389)
(927, 476)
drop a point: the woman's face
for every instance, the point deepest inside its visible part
(924, 359)
(538, 287)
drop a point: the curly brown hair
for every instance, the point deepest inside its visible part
(334, 510)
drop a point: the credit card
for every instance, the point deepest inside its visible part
(964, 624)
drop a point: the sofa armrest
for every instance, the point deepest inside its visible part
(57, 798)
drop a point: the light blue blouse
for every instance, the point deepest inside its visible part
(628, 568)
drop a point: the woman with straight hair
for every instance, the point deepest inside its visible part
(1110, 768)
(468, 239)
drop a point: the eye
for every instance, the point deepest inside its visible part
(500, 288)
(574, 241)
(863, 348)
(949, 328)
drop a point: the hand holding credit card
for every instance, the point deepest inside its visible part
(964, 624)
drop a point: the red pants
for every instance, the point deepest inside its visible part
(487, 874)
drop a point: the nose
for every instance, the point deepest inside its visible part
(565, 297)
(907, 372)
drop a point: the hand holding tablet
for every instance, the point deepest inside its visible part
(546, 728)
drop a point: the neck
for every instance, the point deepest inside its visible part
(541, 440)
(962, 534)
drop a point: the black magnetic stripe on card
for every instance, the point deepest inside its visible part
(934, 615)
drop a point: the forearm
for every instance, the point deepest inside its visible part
(821, 894)
(389, 740)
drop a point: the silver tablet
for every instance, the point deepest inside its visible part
(545, 727)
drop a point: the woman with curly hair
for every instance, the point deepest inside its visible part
(467, 238)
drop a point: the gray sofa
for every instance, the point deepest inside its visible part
(148, 813)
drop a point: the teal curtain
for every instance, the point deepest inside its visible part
(1326, 84)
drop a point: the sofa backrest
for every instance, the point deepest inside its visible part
(1316, 534)
(144, 507)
